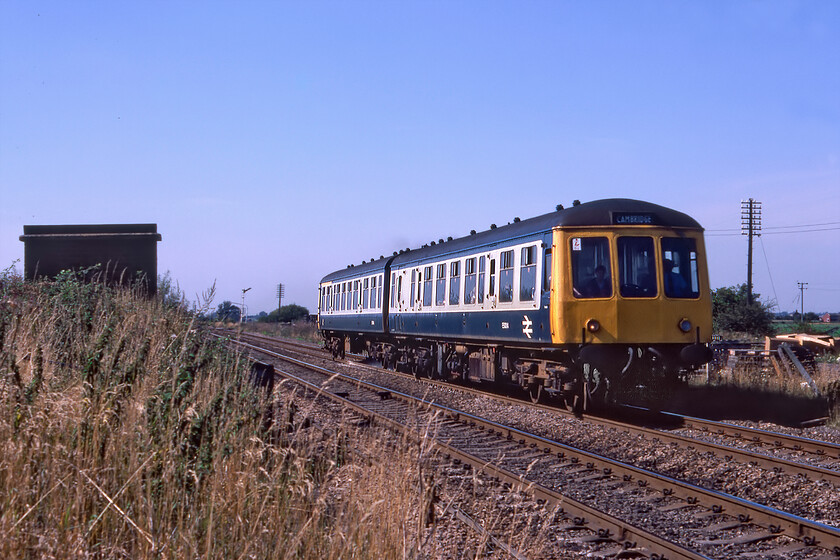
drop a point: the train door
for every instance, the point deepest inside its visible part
(491, 292)
(418, 300)
(482, 274)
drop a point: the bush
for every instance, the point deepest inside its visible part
(731, 312)
(286, 314)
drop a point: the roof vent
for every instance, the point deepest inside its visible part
(395, 253)
(559, 207)
(576, 202)
(449, 238)
(472, 232)
(433, 242)
(364, 262)
(516, 220)
(492, 226)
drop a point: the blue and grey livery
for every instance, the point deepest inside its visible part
(516, 304)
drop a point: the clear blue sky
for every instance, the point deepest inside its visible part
(279, 141)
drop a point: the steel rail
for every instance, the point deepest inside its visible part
(776, 521)
(610, 528)
(796, 443)
(777, 464)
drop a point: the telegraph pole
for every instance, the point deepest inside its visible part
(750, 226)
(802, 289)
(281, 291)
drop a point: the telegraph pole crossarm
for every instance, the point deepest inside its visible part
(281, 291)
(750, 226)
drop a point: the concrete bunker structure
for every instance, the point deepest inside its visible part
(126, 253)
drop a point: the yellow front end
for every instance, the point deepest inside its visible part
(623, 317)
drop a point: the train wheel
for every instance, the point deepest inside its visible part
(428, 370)
(592, 392)
(337, 348)
(535, 391)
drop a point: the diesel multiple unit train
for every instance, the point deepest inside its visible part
(583, 303)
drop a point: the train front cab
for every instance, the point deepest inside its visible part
(652, 312)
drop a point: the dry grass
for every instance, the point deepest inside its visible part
(758, 372)
(127, 434)
(305, 331)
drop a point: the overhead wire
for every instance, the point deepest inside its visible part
(800, 231)
(763, 232)
(804, 225)
(770, 274)
(777, 230)
(795, 229)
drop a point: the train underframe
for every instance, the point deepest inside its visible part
(582, 377)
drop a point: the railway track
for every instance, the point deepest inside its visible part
(695, 522)
(777, 452)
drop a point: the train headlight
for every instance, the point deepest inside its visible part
(592, 325)
(685, 325)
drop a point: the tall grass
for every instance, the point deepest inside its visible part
(305, 331)
(126, 433)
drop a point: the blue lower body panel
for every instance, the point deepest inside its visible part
(358, 323)
(509, 327)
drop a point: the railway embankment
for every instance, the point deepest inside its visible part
(126, 433)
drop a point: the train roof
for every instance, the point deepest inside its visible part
(355, 271)
(605, 212)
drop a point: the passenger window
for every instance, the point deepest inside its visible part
(379, 292)
(528, 273)
(356, 292)
(413, 284)
(591, 269)
(679, 268)
(481, 279)
(636, 267)
(393, 290)
(399, 291)
(440, 286)
(373, 292)
(469, 281)
(365, 294)
(344, 296)
(506, 277)
(427, 287)
(454, 282)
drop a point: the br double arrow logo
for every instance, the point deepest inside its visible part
(526, 326)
